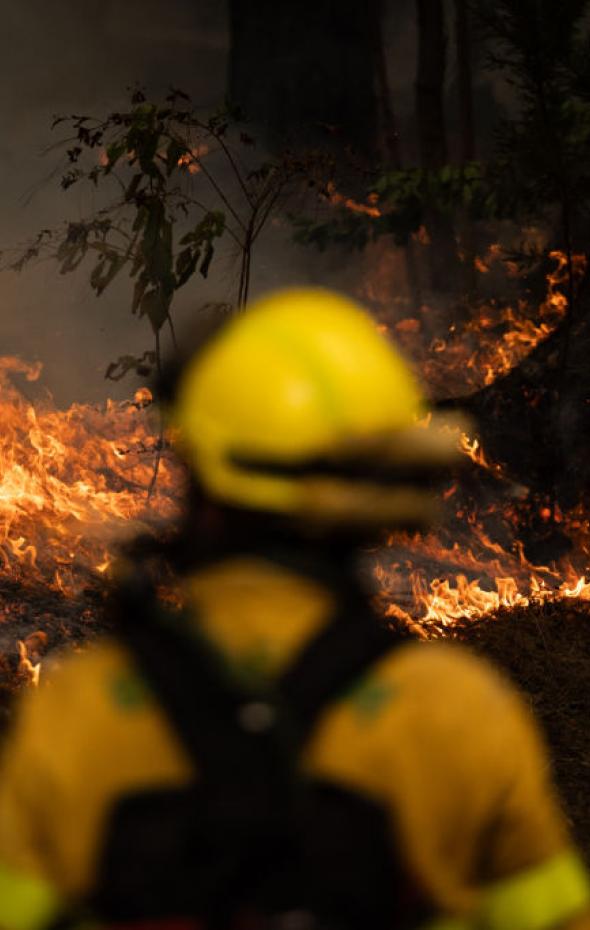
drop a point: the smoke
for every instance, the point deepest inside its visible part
(67, 57)
(79, 58)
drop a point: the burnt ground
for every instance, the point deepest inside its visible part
(43, 620)
(544, 649)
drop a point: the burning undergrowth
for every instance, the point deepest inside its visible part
(71, 482)
(495, 518)
(490, 338)
(74, 481)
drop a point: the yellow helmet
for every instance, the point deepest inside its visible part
(293, 405)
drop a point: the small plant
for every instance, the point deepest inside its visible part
(174, 183)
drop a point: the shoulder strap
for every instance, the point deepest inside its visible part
(334, 660)
(186, 675)
(200, 697)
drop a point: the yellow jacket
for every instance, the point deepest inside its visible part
(431, 732)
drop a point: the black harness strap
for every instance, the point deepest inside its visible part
(187, 676)
(198, 692)
(353, 640)
(248, 833)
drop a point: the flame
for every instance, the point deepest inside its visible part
(29, 657)
(463, 572)
(473, 354)
(336, 199)
(191, 159)
(581, 589)
(26, 669)
(459, 593)
(71, 480)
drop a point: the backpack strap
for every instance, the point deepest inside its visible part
(352, 641)
(248, 792)
(203, 701)
(186, 674)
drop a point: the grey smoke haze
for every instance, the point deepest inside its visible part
(79, 57)
(69, 57)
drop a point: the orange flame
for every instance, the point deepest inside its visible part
(71, 480)
(369, 209)
(473, 354)
(442, 601)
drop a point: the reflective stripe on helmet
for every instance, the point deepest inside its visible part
(26, 902)
(541, 898)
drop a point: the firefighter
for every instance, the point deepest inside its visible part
(270, 755)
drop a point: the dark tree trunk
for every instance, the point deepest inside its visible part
(432, 140)
(467, 136)
(389, 143)
(388, 137)
(464, 80)
(304, 71)
(430, 79)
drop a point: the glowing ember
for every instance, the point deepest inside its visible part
(191, 160)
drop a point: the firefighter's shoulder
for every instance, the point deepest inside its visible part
(87, 736)
(94, 708)
(450, 750)
(425, 698)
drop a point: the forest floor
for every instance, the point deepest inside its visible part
(546, 651)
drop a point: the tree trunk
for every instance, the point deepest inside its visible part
(467, 138)
(464, 80)
(304, 72)
(430, 79)
(388, 136)
(430, 118)
(389, 143)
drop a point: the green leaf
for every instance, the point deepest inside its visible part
(154, 218)
(73, 248)
(472, 171)
(156, 307)
(209, 252)
(186, 264)
(491, 204)
(140, 218)
(106, 269)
